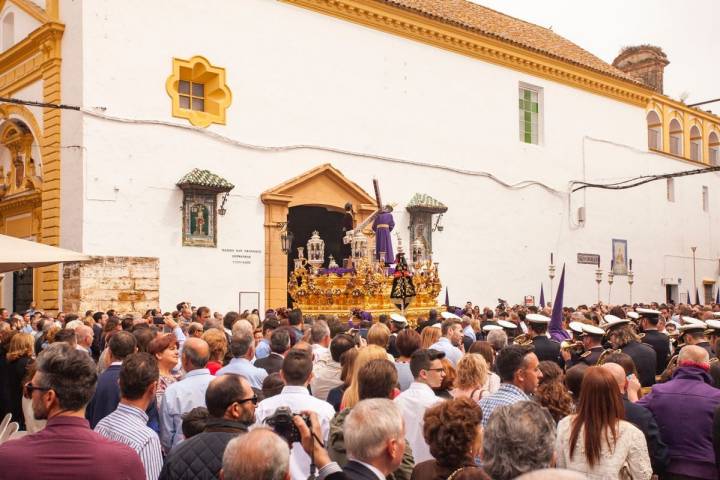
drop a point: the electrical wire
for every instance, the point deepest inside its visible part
(625, 184)
(97, 113)
(643, 179)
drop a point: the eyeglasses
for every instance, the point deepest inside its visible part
(439, 369)
(253, 399)
(29, 388)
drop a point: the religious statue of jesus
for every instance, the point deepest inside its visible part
(382, 226)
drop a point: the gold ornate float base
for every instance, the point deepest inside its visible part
(367, 287)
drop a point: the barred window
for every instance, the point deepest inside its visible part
(530, 114)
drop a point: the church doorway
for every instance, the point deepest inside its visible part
(303, 220)
(317, 199)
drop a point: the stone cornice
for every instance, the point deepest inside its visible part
(29, 200)
(416, 27)
(40, 39)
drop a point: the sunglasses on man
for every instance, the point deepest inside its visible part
(29, 388)
(253, 399)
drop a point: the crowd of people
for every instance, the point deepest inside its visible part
(600, 392)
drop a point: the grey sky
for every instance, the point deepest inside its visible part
(687, 32)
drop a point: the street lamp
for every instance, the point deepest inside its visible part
(286, 239)
(631, 279)
(694, 275)
(598, 279)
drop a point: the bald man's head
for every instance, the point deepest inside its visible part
(694, 354)
(618, 373)
(196, 354)
(228, 396)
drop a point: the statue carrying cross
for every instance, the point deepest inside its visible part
(383, 224)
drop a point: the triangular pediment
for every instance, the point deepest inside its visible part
(323, 185)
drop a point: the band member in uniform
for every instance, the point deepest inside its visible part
(571, 350)
(510, 329)
(659, 341)
(622, 336)
(713, 333)
(693, 333)
(545, 348)
(592, 342)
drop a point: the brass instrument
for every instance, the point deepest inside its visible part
(571, 346)
(669, 370)
(523, 339)
(605, 353)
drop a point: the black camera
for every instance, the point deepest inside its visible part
(158, 320)
(282, 423)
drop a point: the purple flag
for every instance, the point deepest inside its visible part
(556, 330)
(542, 296)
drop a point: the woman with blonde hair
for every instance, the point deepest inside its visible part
(429, 336)
(379, 334)
(217, 341)
(20, 353)
(472, 375)
(371, 352)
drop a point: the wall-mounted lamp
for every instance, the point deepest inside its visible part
(286, 237)
(437, 225)
(222, 210)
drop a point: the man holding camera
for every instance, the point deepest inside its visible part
(231, 406)
(296, 372)
(375, 441)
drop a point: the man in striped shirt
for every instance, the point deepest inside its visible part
(128, 423)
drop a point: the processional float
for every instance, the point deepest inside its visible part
(369, 283)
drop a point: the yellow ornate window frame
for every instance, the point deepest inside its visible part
(217, 94)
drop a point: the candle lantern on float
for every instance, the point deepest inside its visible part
(316, 250)
(359, 247)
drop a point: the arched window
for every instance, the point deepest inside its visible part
(696, 144)
(676, 137)
(714, 144)
(8, 31)
(654, 126)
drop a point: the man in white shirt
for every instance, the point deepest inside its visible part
(327, 370)
(320, 338)
(451, 330)
(428, 372)
(297, 374)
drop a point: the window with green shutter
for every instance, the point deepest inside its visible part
(529, 102)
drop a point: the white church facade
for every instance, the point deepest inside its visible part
(192, 135)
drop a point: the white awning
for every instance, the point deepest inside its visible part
(16, 254)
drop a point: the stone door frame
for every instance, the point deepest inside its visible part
(322, 186)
